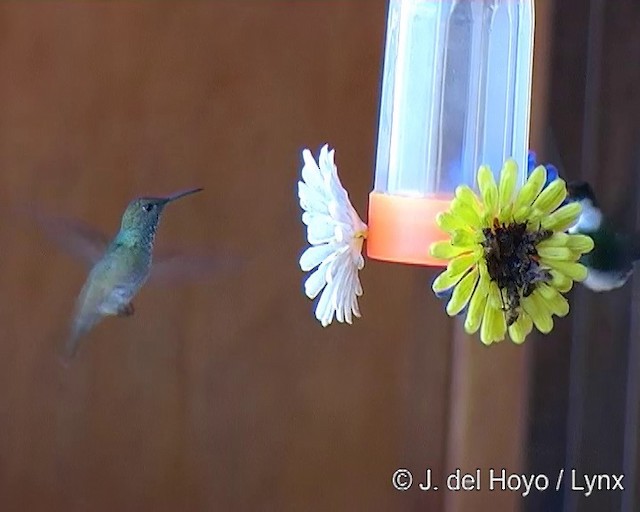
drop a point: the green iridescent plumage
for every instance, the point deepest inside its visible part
(123, 268)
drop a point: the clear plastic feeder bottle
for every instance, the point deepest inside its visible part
(456, 94)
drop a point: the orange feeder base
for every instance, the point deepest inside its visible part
(401, 229)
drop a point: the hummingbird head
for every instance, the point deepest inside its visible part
(591, 217)
(143, 213)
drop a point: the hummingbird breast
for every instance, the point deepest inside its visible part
(116, 279)
(118, 297)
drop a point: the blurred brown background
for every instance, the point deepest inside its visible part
(227, 394)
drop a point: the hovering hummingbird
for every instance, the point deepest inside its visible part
(120, 267)
(610, 263)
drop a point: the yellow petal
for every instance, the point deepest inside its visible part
(448, 222)
(531, 188)
(546, 291)
(488, 189)
(561, 282)
(555, 302)
(563, 218)
(508, 179)
(464, 238)
(520, 329)
(462, 293)
(575, 256)
(551, 197)
(535, 307)
(445, 281)
(468, 196)
(477, 303)
(534, 218)
(494, 325)
(463, 262)
(522, 213)
(575, 271)
(444, 250)
(466, 212)
(505, 215)
(555, 253)
(495, 296)
(580, 243)
(555, 240)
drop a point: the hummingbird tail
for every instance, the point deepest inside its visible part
(71, 347)
(81, 326)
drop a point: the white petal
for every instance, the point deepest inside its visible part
(358, 288)
(335, 232)
(315, 255)
(311, 172)
(315, 220)
(317, 237)
(310, 217)
(324, 309)
(320, 229)
(345, 285)
(316, 281)
(325, 161)
(311, 199)
(342, 293)
(351, 304)
(357, 223)
(360, 260)
(351, 307)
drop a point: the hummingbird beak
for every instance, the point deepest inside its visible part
(183, 193)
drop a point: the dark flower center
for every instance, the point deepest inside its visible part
(512, 262)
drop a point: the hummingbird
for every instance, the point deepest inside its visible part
(120, 267)
(610, 263)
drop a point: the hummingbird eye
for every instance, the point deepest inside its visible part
(148, 207)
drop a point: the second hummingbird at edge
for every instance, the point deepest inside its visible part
(610, 263)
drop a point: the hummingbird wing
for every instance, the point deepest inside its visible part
(170, 267)
(88, 244)
(73, 236)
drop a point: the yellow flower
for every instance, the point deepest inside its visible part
(510, 259)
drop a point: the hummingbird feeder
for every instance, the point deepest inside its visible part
(452, 182)
(456, 94)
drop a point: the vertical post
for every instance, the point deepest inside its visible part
(631, 453)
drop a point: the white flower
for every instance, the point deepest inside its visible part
(336, 234)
